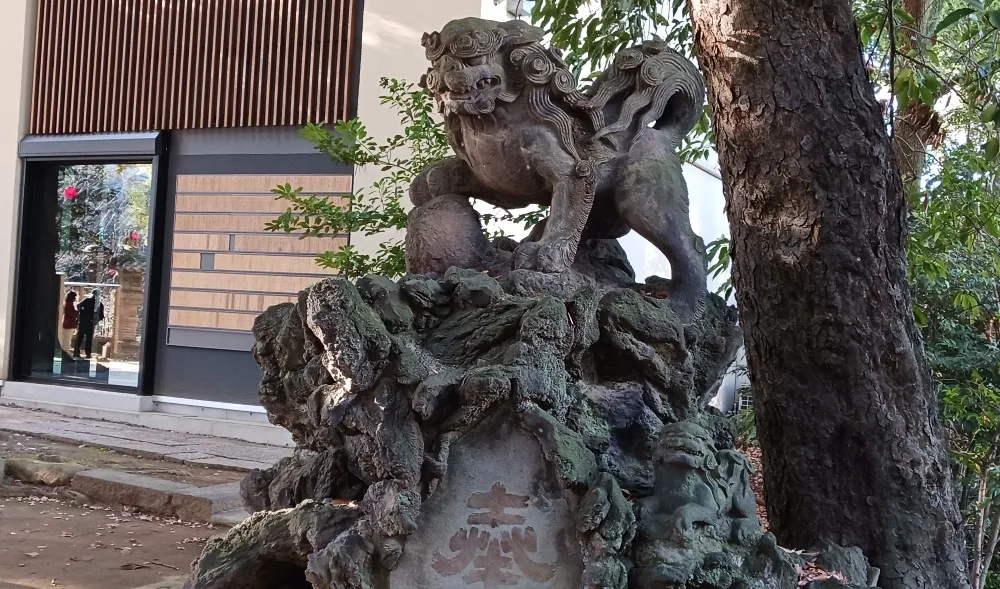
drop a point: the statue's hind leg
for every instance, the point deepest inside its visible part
(651, 195)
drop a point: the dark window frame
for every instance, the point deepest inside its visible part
(36, 154)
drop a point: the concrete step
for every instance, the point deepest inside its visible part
(166, 583)
(201, 503)
(158, 496)
(230, 518)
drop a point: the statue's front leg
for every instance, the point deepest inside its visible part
(572, 200)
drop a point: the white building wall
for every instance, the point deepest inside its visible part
(16, 51)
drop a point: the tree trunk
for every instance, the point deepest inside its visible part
(916, 125)
(990, 548)
(846, 410)
(982, 510)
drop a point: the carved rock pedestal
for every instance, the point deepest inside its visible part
(460, 430)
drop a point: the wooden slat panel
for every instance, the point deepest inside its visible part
(186, 261)
(212, 319)
(253, 263)
(202, 242)
(260, 184)
(247, 270)
(136, 65)
(243, 203)
(272, 264)
(221, 223)
(226, 300)
(260, 283)
(288, 244)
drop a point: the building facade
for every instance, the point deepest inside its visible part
(139, 144)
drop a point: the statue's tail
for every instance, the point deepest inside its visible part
(680, 100)
(657, 86)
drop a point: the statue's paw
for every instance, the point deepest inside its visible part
(556, 256)
(526, 256)
(688, 301)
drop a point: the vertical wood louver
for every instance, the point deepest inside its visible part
(106, 66)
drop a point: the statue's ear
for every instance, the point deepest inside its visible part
(733, 460)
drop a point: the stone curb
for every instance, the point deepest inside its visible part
(162, 497)
(37, 472)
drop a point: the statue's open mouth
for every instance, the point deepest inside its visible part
(490, 82)
(473, 92)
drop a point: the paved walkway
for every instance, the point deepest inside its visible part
(140, 441)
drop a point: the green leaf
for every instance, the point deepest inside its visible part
(989, 113)
(902, 82)
(933, 84)
(919, 316)
(991, 149)
(994, 18)
(952, 18)
(992, 228)
(926, 96)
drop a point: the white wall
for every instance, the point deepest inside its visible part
(390, 48)
(16, 51)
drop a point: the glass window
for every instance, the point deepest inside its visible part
(86, 239)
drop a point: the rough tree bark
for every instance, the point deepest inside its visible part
(846, 411)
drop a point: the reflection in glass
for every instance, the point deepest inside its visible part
(89, 272)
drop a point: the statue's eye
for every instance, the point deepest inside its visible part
(481, 60)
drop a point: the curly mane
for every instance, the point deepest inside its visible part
(649, 84)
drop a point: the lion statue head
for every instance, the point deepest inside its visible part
(477, 63)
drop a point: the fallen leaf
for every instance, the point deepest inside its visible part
(133, 566)
(31, 554)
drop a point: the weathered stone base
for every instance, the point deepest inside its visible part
(461, 431)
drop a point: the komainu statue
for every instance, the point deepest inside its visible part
(517, 415)
(603, 159)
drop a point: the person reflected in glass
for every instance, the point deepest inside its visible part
(70, 319)
(91, 312)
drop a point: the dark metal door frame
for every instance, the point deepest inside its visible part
(39, 151)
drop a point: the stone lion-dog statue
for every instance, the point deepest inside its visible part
(603, 159)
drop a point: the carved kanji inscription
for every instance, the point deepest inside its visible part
(497, 520)
(494, 558)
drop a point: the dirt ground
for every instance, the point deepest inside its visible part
(23, 446)
(46, 543)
